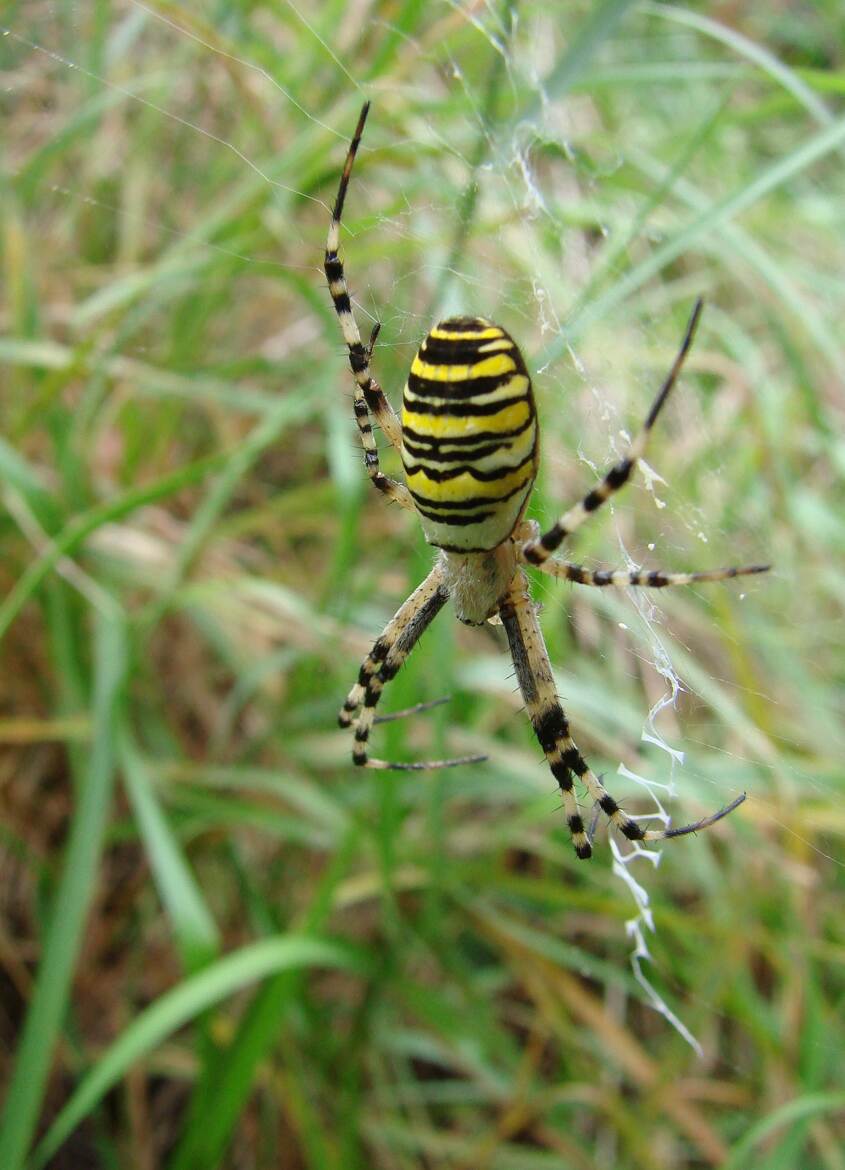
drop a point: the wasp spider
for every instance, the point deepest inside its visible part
(468, 440)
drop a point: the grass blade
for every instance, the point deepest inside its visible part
(64, 935)
(183, 1004)
(193, 925)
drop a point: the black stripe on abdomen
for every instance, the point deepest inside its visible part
(439, 474)
(462, 409)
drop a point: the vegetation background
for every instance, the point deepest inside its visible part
(219, 945)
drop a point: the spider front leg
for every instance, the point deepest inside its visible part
(537, 551)
(382, 664)
(369, 395)
(534, 673)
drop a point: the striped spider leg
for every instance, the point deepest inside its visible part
(382, 664)
(537, 551)
(651, 579)
(534, 674)
(369, 395)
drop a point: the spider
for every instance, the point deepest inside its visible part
(468, 441)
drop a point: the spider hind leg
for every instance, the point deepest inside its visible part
(551, 727)
(704, 823)
(534, 674)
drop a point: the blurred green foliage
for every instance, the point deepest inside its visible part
(220, 945)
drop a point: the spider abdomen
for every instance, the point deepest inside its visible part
(469, 435)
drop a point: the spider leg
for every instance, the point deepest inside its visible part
(551, 727)
(653, 579)
(382, 664)
(417, 709)
(537, 551)
(534, 674)
(369, 395)
(704, 823)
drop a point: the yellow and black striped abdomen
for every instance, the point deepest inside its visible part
(469, 434)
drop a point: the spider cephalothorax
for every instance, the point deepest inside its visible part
(468, 440)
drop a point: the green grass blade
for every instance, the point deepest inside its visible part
(193, 924)
(17, 472)
(801, 1109)
(718, 214)
(286, 412)
(71, 902)
(82, 525)
(751, 50)
(183, 1004)
(595, 30)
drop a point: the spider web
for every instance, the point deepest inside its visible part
(523, 167)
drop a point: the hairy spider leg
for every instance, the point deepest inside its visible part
(537, 551)
(382, 664)
(534, 673)
(369, 395)
(417, 709)
(652, 578)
